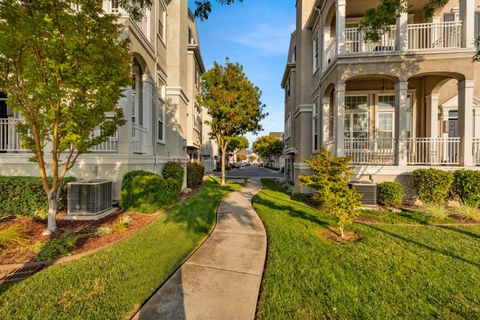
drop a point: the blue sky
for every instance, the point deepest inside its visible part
(255, 33)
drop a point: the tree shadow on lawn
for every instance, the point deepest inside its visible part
(292, 211)
(461, 231)
(422, 245)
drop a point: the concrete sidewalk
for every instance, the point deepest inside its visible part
(222, 279)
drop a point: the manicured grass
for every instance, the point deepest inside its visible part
(404, 217)
(394, 272)
(113, 283)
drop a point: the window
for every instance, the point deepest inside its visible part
(161, 121)
(287, 89)
(385, 121)
(197, 76)
(356, 102)
(315, 55)
(477, 29)
(294, 55)
(357, 117)
(161, 22)
(114, 7)
(316, 108)
(191, 39)
(386, 102)
(288, 127)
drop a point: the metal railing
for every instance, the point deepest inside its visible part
(437, 35)
(476, 151)
(139, 136)
(111, 145)
(370, 151)
(355, 41)
(9, 136)
(433, 151)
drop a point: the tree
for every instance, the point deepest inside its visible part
(379, 19)
(329, 178)
(238, 143)
(268, 147)
(63, 70)
(232, 102)
(204, 7)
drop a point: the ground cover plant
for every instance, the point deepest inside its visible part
(116, 281)
(389, 274)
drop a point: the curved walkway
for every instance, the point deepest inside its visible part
(221, 280)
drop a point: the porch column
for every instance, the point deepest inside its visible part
(465, 121)
(340, 23)
(125, 132)
(324, 120)
(401, 106)
(339, 114)
(148, 95)
(467, 16)
(432, 115)
(402, 30)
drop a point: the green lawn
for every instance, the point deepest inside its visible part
(113, 283)
(394, 272)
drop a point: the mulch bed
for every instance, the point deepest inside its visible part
(334, 235)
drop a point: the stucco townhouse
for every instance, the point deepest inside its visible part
(409, 101)
(164, 123)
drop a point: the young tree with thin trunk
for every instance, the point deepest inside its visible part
(63, 66)
(232, 102)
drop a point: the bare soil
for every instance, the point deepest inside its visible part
(334, 235)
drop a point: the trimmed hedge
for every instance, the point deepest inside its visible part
(173, 170)
(147, 192)
(195, 173)
(432, 185)
(466, 184)
(25, 196)
(390, 194)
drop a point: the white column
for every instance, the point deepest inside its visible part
(432, 115)
(401, 106)
(339, 114)
(467, 16)
(340, 23)
(148, 95)
(324, 121)
(125, 132)
(402, 31)
(465, 121)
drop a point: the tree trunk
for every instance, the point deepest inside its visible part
(52, 213)
(224, 149)
(342, 234)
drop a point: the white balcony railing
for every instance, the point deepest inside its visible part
(433, 151)
(355, 41)
(111, 145)
(370, 151)
(438, 35)
(476, 151)
(139, 138)
(9, 136)
(330, 53)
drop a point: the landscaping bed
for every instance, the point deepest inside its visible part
(392, 271)
(116, 281)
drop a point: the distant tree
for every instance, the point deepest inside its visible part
(330, 177)
(204, 7)
(241, 157)
(268, 147)
(232, 102)
(64, 71)
(238, 143)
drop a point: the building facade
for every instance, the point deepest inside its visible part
(410, 100)
(164, 123)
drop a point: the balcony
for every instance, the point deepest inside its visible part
(419, 151)
(139, 138)
(9, 136)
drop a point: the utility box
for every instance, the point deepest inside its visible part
(89, 197)
(367, 190)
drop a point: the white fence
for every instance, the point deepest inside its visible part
(433, 151)
(438, 35)
(369, 151)
(9, 136)
(355, 41)
(139, 136)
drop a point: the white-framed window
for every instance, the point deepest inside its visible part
(477, 29)
(114, 8)
(288, 126)
(357, 117)
(161, 121)
(315, 55)
(315, 112)
(385, 120)
(161, 21)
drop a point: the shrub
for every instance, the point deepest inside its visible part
(57, 248)
(330, 177)
(12, 236)
(468, 212)
(123, 224)
(147, 192)
(195, 173)
(390, 194)
(438, 212)
(173, 170)
(25, 196)
(466, 184)
(432, 185)
(103, 231)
